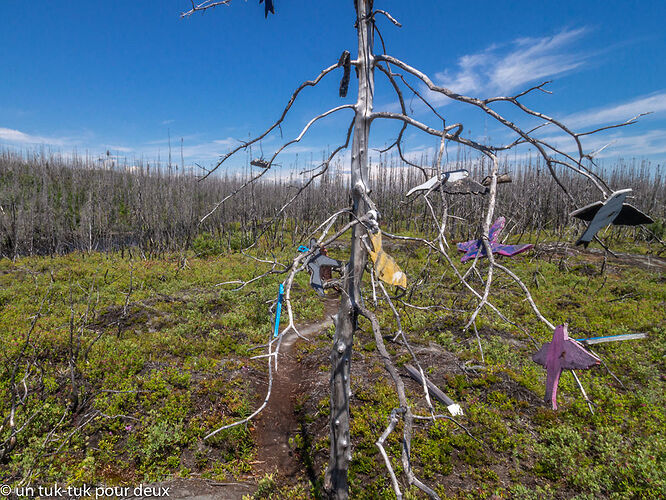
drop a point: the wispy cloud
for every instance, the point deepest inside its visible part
(17, 137)
(497, 70)
(617, 143)
(651, 143)
(203, 152)
(229, 142)
(192, 150)
(623, 141)
(119, 149)
(618, 113)
(419, 153)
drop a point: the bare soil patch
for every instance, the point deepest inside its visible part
(280, 420)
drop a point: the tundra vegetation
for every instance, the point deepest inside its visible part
(139, 351)
(120, 363)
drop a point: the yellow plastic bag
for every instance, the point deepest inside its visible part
(385, 266)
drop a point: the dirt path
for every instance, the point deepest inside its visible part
(278, 422)
(273, 427)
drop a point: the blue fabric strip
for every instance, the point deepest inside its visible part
(278, 311)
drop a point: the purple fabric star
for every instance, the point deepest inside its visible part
(562, 353)
(472, 247)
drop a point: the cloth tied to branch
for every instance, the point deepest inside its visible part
(385, 266)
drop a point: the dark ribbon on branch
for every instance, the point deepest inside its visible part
(345, 62)
(269, 7)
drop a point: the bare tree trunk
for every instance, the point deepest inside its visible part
(345, 322)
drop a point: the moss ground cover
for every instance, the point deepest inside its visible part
(132, 361)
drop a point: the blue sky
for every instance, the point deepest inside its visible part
(123, 76)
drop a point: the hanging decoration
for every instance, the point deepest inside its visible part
(562, 353)
(612, 211)
(319, 266)
(387, 269)
(278, 311)
(452, 182)
(472, 247)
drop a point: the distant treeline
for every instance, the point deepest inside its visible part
(50, 204)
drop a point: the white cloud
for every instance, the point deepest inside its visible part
(618, 113)
(537, 59)
(470, 75)
(229, 141)
(528, 60)
(419, 153)
(622, 141)
(617, 143)
(192, 150)
(211, 150)
(650, 143)
(199, 152)
(17, 137)
(119, 149)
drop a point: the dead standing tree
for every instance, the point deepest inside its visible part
(364, 218)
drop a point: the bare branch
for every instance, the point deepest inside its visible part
(294, 96)
(388, 16)
(483, 105)
(203, 6)
(393, 421)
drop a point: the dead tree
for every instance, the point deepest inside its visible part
(352, 300)
(364, 219)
